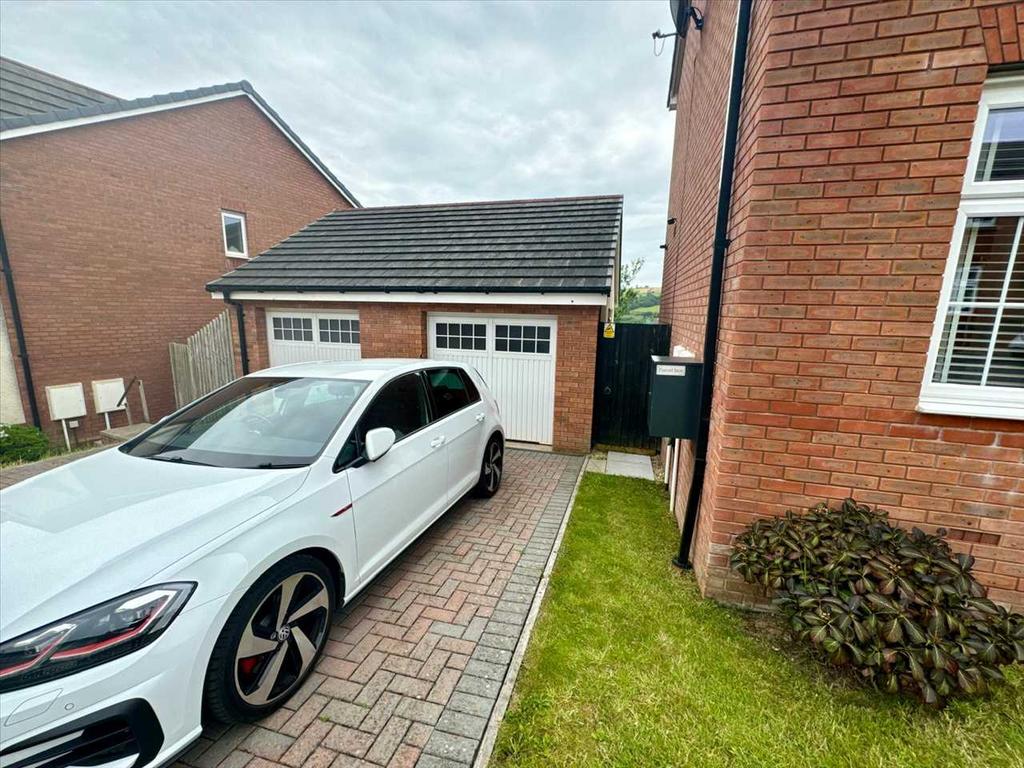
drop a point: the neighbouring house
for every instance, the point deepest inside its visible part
(516, 288)
(870, 340)
(114, 215)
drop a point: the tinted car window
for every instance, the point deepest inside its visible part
(471, 390)
(400, 405)
(449, 391)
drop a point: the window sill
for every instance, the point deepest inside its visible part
(1010, 408)
(241, 256)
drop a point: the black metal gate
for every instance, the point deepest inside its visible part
(622, 382)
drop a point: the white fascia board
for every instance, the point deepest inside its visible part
(543, 299)
(29, 130)
(59, 125)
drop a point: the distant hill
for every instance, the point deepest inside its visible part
(646, 307)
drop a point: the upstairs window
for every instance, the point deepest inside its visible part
(233, 226)
(976, 359)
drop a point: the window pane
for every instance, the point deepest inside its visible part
(449, 391)
(515, 331)
(543, 332)
(964, 345)
(501, 345)
(1007, 367)
(515, 345)
(981, 285)
(441, 328)
(501, 331)
(529, 332)
(233, 239)
(984, 257)
(1002, 147)
(544, 347)
(480, 343)
(442, 342)
(528, 345)
(401, 405)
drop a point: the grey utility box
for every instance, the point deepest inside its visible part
(674, 401)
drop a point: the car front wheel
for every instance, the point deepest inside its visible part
(271, 641)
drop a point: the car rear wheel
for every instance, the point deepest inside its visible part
(271, 641)
(491, 469)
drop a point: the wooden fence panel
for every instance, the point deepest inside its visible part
(204, 362)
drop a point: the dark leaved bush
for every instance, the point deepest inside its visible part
(897, 605)
(21, 442)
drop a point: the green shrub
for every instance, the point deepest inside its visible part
(21, 442)
(899, 606)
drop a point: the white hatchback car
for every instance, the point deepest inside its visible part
(195, 569)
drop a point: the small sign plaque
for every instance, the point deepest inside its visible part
(609, 330)
(670, 370)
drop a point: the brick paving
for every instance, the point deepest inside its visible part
(414, 664)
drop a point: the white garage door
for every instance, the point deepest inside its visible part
(301, 337)
(515, 355)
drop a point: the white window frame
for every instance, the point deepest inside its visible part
(240, 217)
(978, 199)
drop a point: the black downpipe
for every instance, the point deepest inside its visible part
(19, 330)
(721, 245)
(240, 319)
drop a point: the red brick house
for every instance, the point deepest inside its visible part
(870, 332)
(114, 215)
(516, 288)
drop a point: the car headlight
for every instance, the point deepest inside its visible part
(92, 637)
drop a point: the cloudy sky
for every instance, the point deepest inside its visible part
(408, 102)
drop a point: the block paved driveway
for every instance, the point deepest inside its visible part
(414, 664)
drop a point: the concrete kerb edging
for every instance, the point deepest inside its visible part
(483, 754)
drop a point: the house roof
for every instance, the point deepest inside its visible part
(25, 90)
(113, 108)
(555, 245)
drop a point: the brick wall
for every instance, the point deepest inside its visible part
(113, 229)
(856, 125)
(400, 330)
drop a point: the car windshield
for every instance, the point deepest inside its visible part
(255, 423)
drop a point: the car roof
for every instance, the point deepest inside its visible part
(361, 370)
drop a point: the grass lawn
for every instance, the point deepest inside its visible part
(629, 666)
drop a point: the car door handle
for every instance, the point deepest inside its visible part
(437, 442)
(480, 417)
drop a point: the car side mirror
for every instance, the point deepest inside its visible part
(378, 442)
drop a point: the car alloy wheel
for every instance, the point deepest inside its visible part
(493, 465)
(282, 639)
(491, 469)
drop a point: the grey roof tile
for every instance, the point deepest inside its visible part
(81, 104)
(558, 244)
(27, 91)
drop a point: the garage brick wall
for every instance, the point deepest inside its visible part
(400, 330)
(113, 229)
(856, 127)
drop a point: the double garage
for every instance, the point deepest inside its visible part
(514, 353)
(514, 288)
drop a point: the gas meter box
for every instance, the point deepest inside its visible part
(674, 402)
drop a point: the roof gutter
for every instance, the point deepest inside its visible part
(240, 319)
(19, 330)
(719, 249)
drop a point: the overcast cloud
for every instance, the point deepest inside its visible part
(408, 102)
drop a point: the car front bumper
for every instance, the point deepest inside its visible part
(140, 709)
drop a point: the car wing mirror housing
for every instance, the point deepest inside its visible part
(378, 442)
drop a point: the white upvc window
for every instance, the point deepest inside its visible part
(976, 358)
(233, 228)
